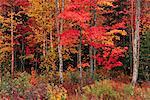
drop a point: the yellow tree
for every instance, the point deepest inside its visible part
(7, 7)
(42, 12)
(8, 12)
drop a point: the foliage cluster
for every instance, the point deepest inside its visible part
(21, 88)
(109, 89)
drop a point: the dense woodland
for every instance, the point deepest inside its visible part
(74, 50)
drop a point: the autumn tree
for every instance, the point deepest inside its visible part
(136, 42)
(41, 22)
(144, 43)
(80, 18)
(59, 30)
(41, 11)
(10, 9)
(7, 6)
(101, 38)
(60, 46)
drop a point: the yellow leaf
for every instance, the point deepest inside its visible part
(1, 19)
(107, 3)
(6, 49)
(122, 32)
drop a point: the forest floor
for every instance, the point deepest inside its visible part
(140, 88)
(29, 87)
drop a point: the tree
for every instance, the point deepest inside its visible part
(41, 21)
(41, 12)
(136, 42)
(81, 17)
(95, 36)
(10, 9)
(143, 73)
(59, 30)
(12, 43)
(108, 53)
(92, 51)
(60, 46)
(5, 6)
(131, 35)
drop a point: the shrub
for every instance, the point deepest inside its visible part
(129, 89)
(14, 88)
(101, 90)
(56, 92)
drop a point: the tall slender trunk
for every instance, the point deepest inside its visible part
(44, 43)
(91, 61)
(80, 59)
(0, 73)
(12, 45)
(44, 32)
(59, 46)
(136, 43)
(22, 60)
(36, 63)
(51, 40)
(94, 54)
(92, 50)
(131, 36)
(15, 57)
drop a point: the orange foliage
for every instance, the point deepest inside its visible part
(83, 65)
(71, 69)
(33, 79)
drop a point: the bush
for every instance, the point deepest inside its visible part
(21, 88)
(56, 92)
(100, 90)
(14, 88)
(111, 90)
(129, 89)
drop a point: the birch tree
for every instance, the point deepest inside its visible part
(136, 43)
(59, 30)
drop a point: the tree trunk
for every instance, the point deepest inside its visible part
(131, 36)
(51, 40)
(92, 50)
(59, 46)
(12, 45)
(22, 60)
(36, 63)
(136, 43)
(80, 59)
(94, 59)
(0, 73)
(44, 43)
(91, 60)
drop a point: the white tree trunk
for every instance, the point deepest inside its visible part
(59, 46)
(136, 43)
